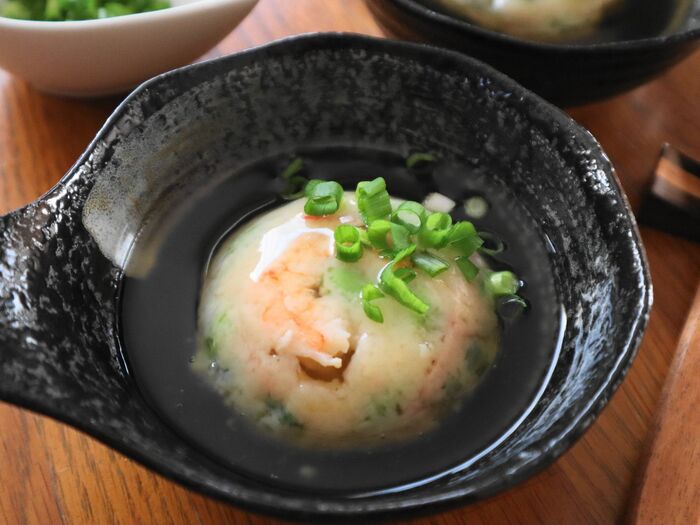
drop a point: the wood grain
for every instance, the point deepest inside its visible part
(50, 473)
(669, 481)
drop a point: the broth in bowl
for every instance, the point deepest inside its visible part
(256, 342)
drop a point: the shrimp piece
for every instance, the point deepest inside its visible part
(310, 328)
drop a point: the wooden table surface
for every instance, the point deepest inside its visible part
(50, 473)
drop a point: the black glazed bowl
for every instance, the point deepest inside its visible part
(61, 257)
(564, 74)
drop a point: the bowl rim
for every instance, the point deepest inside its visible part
(172, 12)
(420, 9)
(303, 506)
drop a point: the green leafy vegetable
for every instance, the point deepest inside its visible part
(65, 10)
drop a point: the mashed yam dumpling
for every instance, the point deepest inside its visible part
(534, 19)
(283, 335)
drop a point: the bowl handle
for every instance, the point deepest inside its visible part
(25, 363)
(55, 344)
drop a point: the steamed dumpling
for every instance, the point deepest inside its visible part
(534, 19)
(281, 320)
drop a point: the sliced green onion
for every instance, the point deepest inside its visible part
(364, 239)
(463, 238)
(293, 168)
(311, 185)
(348, 246)
(510, 306)
(403, 254)
(369, 293)
(492, 244)
(416, 158)
(411, 215)
(296, 188)
(378, 234)
(429, 263)
(435, 230)
(324, 197)
(373, 200)
(295, 183)
(405, 274)
(468, 268)
(502, 283)
(476, 207)
(399, 290)
(400, 237)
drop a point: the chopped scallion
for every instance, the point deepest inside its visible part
(369, 293)
(324, 197)
(510, 306)
(293, 168)
(385, 235)
(418, 158)
(400, 237)
(429, 263)
(435, 230)
(492, 244)
(348, 246)
(295, 183)
(405, 274)
(468, 268)
(403, 254)
(464, 239)
(399, 290)
(377, 233)
(411, 215)
(502, 283)
(373, 200)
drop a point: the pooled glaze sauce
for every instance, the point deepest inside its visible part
(159, 329)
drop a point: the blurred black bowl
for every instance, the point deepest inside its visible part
(638, 49)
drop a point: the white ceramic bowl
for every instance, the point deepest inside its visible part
(111, 55)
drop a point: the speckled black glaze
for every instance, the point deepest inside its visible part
(61, 256)
(565, 74)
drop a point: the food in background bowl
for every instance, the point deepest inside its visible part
(534, 19)
(336, 319)
(65, 10)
